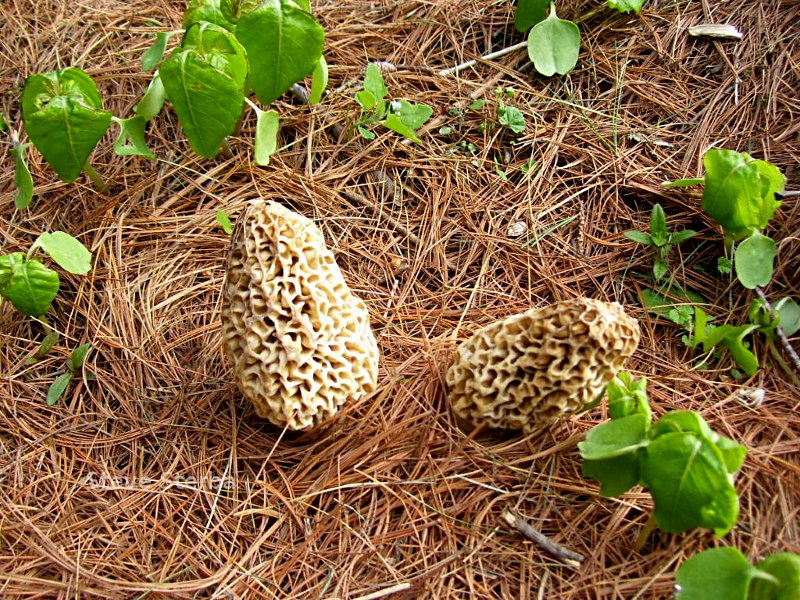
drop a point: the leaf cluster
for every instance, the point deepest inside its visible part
(659, 238)
(687, 467)
(73, 369)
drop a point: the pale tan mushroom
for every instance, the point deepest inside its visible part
(299, 341)
(527, 370)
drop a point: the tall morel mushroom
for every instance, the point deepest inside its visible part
(529, 369)
(299, 341)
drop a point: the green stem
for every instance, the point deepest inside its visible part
(96, 178)
(776, 356)
(648, 528)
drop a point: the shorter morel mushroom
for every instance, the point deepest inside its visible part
(527, 370)
(299, 341)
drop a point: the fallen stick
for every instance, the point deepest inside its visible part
(565, 555)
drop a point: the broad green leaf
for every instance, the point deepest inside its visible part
(716, 573)
(730, 336)
(267, 127)
(77, 358)
(58, 387)
(224, 221)
(394, 123)
(512, 118)
(208, 11)
(784, 567)
(658, 225)
(616, 475)
(615, 438)
(639, 237)
(739, 191)
(283, 44)
(64, 118)
(785, 312)
(153, 55)
(23, 182)
(68, 252)
(319, 81)
(789, 315)
(374, 84)
(627, 396)
(753, 260)
(626, 6)
(131, 130)
(413, 115)
(365, 100)
(153, 100)
(27, 284)
(529, 13)
(689, 481)
(205, 83)
(553, 45)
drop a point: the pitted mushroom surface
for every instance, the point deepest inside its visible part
(527, 370)
(299, 341)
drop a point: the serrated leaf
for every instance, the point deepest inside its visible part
(27, 284)
(753, 260)
(64, 118)
(715, 573)
(224, 221)
(58, 387)
(319, 81)
(512, 118)
(553, 45)
(626, 6)
(267, 128)
(153, 100)
(131, 130)
(78, 357)
(529, 13)
(153, 55)
(23, 182)
(205, 82)
(283, 44)
(394, 123)
(208, 11)
(66, 251)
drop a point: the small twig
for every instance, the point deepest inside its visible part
(400, 587)
(490, 56)
(790, 193)
(780, 333)
(396, 225)
(565, 555)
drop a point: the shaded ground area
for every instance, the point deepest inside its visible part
(157, 479)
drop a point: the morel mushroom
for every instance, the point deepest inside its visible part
(299, 341)
(529, 369)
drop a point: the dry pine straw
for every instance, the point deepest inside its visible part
(156, 479)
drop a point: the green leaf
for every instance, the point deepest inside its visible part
(616, 475)
(739, 191)
(23, 182)
(627, 396)
(153, 55)
(716, 573)
(730, 336)
(64, 118)
(77, 358)
(204, 80)
(659, 269)
(58, 387)
(658, 226)
(319, 81)
(679, 309)
(394, 123)
(689, 482)
(208, 11)
(27, 284)
(131, 130)
(529, 13)
(639, 237)
(553, 45)
(615, 438)
(413, 115)
(684, 182)
(233, 10)
(283, 43)
(784, 568)
(365, 99)
(724, 265)
(267, 127)
(224, 221)
(477, 104)
(681, 236)
(153, 100)
(365, 133)
(788, 315)
(68, 252)
(626, 6)
(374, 84)
(753, 260)
(512, 118)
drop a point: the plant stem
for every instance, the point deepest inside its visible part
(96, 178)
(645, 533)
(776, 356)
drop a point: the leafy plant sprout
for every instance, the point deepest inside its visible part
(660, 239)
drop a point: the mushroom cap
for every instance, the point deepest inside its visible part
(299, 341)
(527, 370)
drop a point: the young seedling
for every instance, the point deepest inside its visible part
(400, 116)
(687, 468)
(660, 239)
(29, 285)
(62, 382)
(725, 573)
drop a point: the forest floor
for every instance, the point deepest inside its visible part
(156, 479)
